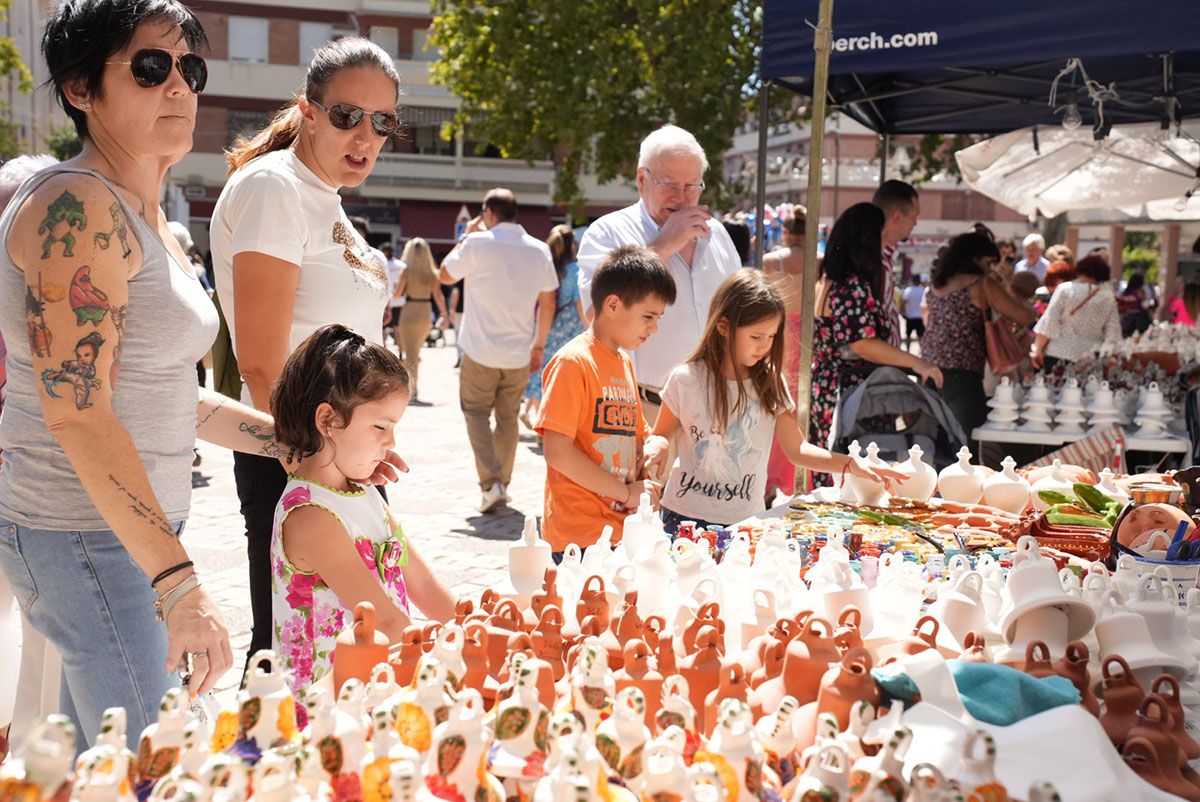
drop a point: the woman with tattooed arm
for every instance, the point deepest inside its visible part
(104, 321)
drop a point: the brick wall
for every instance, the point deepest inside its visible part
(283, 40)
(217, 28)
(212, 129)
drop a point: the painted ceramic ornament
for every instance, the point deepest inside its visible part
(521, 728)
(777, 733)
(455, 768)
(826, 778)
(108, 769)
(178, 789)
(425, 707)
(977, 778)
(161, 744)
(225, 779)
(592, 684)
(883, 771)
(448, 648)
(386, 749)
(273, 779)
(666, 772)
(622, 737)
(266, 708)
(340, 737)
(734, 741)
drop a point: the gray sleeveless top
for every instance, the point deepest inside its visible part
(171, 323)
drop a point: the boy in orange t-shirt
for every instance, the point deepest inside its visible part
(591, 416)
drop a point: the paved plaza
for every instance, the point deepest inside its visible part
(435, 502)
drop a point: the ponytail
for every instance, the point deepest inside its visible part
(280, 133)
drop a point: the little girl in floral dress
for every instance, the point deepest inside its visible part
(335, 542)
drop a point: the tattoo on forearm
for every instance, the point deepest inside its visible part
(209, 415)
(142, 509)
(266, 435)
(64, 214)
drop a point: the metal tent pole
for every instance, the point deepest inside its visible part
(883, 160)
(760, 190)
(822, 42)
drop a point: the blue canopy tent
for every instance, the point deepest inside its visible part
(963, 66)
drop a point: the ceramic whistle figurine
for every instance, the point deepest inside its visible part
(522, 726)
(161, 744)
(977, 778)
(666, 771)
(425, 707)
(386, 749)
(825, 778)
(883, 771)
(266, 708)
(339, 734)
(225, 779)
(622, 737)
(108, 769)
(777, 733)
(592, 685)
(448, 648)
(455, 769)
(733, 743)
(44, 772)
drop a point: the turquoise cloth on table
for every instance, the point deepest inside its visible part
(994, 694)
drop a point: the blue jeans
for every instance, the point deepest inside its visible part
(85, 593)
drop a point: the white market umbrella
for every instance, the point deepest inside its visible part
(1052, 170)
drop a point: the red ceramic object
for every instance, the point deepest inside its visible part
(806, 659)
(1037, 660)
(593, 601)
(847, 683)
(429, 635)
(709, 615)
(463, 608)
(924, 636)
(505, 620)
(848, 635)
(702, 669)
(1123, 695)
(639, 671)
(732, 685)
(1154, 727)
(548, 595)
(359, 648)
(974, 648)
(1167, 687)
(1074, 666)
(488, 600)
(772, 664)
(405, 655)
(548, 640)
(475, 656)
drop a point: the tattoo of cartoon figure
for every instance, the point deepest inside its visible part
(79, 372)
(39, 333)
(119, 313)
(103, 239)
(89, 302)
(65, 213)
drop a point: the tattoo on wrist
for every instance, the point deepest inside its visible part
(141, 509)
(266, 435)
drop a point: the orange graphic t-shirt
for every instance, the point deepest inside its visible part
(590, 395)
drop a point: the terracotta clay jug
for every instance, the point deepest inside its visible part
(808, 657)
(974, 648)
(732, 685)
(1167, 687)
(593, 602)
(429, 636)
(505, 620)
(924, 636)
(475, 655)
(1122, 696)
(1074, 666)
(547, 640)
(709, 615)
(846, 684)
(772, 663)
(848, 635)
(638, 671)
(1037, 660)
(521, 643)
(547, 595)
(488, 601)
(1141, 756)
(1154, 726)
(359, 648)
(463, 608)
(701, 669)
(404, 656)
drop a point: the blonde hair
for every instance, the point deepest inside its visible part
(327, 61)
(419, 265)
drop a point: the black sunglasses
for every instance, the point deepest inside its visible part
(345, 117)
(152, 67)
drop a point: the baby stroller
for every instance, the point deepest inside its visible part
(896, 413)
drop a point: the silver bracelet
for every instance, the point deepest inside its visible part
(164, 603)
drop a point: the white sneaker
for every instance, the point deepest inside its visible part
(493, 497)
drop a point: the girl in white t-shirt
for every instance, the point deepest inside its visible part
(334, 542)
(726, 403)
(287, 259)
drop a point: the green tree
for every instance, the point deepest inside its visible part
(584, 83)
(63, 142)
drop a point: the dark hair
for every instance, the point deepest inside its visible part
(893, 195)
(962, 256)
(740, 234)
(84, 34)
(361, 225)
(336, 366)
(983, 230)
(743, 299)
(1136, 282)
(855, 247)
(502, 203)
(795, 224)
(631, 274)
(562, 248)
(327, 61)
(1094, 267)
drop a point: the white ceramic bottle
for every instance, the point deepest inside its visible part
(961, 482)
(1007, 490)
(528, 559)
(922, 478)
(1055, 480)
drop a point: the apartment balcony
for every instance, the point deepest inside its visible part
(246, 79)
(451, 178)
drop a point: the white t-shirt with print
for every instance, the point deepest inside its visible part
(718, 477)
(395, 269)
(276, 206)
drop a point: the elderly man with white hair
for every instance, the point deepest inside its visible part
(1034, 262)
(693, 245)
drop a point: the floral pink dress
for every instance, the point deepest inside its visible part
(308, 616)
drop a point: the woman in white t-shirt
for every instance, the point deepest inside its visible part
(288, 260)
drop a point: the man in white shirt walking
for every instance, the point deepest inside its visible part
(391, 317)
(693, 245)
(510, 276)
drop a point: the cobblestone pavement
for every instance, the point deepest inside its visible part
(435, 502)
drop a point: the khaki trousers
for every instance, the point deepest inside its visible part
(416, 320)
(482, 392)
